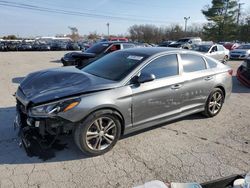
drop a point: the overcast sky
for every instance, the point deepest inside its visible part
(50, 17)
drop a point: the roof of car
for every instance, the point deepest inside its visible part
(149, 51)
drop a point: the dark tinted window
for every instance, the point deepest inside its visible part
(115, 66)
(163, 66)
(114, 48)
(214, 49)
(98, 48)
(192, 63)
(211, 63)
(202, 48)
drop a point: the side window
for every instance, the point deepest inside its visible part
(214, 49)
(163, 66)
(220, 48)
(192, 63)
(211, 63)
(114, 48)
(128, 46)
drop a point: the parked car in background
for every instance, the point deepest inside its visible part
(44, 47)
(12, 45)
(73, 46)
(166, 43)
(24, 46)
(231, 45)
(57, 46)
(84, 45)
(80, 59)
(3, 46)
(241, 52)
(243, 73)
(186, 43)
(215, 51)
(120, 93)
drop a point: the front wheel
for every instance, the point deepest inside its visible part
(98, 133)
(214, 103)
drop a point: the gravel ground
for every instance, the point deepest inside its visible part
(191, 149)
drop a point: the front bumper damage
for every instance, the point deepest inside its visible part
(40, 136)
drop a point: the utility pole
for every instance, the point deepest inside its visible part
(108, 28)
(238, 16)
(186, 19)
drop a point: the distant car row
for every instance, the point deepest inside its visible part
(217, 51)
(41, 46)
(98, 50)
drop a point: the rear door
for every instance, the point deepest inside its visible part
(198, 82)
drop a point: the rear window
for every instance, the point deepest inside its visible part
(192, 63)
(211, 63)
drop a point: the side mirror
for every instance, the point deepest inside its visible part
(145, 77)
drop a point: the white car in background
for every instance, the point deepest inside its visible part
(216, 51)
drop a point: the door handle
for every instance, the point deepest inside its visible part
(176, 86)
(208, 78)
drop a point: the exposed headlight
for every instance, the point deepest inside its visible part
(51, 109)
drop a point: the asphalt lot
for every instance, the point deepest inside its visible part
(191, 149)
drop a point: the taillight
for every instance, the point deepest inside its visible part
(230, 72)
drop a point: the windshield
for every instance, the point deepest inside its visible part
(244, 47)
(97, 48)
(202, 48)
(115, 66)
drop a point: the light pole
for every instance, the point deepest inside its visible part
(108, 28)
(239, 12)
(186, 19)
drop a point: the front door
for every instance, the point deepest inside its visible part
(154, 101)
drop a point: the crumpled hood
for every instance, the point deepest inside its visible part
(51, 84)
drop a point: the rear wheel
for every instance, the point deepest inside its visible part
(214, 103)
(98, 133)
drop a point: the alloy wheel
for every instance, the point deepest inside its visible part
(101, 133)
(215, 103)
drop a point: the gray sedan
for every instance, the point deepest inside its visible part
(120, 93)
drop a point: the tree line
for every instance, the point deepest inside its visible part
(224, 23)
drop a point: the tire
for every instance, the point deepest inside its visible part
(98, 141)
(214, 103)
(225, 59)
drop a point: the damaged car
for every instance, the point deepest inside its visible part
(120, 93)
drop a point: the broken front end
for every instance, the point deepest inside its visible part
(40, 125)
